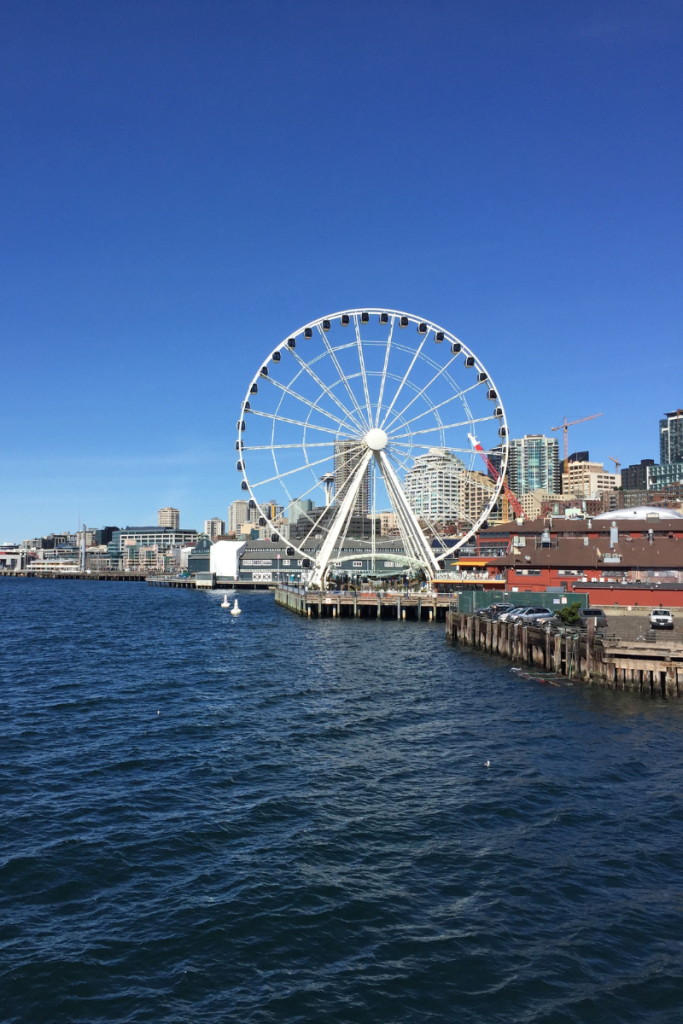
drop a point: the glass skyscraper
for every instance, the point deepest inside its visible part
(671, 437)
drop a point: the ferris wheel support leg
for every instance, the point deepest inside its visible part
(413, 536)
(345, 508)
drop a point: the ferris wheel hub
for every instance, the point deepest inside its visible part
(376, 439)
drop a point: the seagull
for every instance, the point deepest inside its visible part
(487, 764)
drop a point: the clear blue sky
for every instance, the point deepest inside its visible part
(182, 184)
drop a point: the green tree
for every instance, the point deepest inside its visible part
(570, 614)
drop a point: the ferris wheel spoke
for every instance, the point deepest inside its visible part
(419, 393)
(290, 472)
(361, 360)
(445, 426)
(446, 401)
(314, 376)
(400, 458)
(270, 447)
(297, 423)
(405, 378)
(342, 377)
(409, 527)
(424, 447)
(384, 371)
(325, 511)
(300, 398)
(345, 509)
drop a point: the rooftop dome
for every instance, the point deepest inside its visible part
(640, 512)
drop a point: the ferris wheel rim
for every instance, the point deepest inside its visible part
(430, 326)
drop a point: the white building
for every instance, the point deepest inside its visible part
(224, 558)
(214, 527)
(434, 486)
(169, 517)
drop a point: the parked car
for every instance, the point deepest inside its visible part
(535, 615)
(661, 618)
(498, 610)
(593, 613)
(512, 613)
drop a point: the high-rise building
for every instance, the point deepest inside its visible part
(238, 513)
(214, 527)
(435, 486)
(347, 455)
(533, 464)
(169, 517)
(634, 478)
(671, 437)
(588, 480)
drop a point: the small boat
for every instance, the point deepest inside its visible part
(235, 610)
(225, 603)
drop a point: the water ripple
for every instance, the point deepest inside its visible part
(274, 819)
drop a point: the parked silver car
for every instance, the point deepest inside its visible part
(535, 615)
(511, 614)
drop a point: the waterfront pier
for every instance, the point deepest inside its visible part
(364, 604)
(647, 666)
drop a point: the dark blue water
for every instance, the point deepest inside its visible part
(274, 819)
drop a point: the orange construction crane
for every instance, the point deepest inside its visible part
(617, 464)
(565, 426)
(496, 476)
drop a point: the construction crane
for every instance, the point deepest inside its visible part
(496, 476)
(617, 464)
(565, 427)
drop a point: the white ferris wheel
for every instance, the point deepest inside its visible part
(366, 425)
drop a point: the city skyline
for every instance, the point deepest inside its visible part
(155, 218)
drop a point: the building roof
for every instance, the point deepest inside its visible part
(639, 512)
(156, 529)
(572, 553)
(669, 520)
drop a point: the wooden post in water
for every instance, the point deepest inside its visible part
(590, 640)
(557, 666)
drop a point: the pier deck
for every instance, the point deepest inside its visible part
(364, 604)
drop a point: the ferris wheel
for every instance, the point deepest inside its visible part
(368, 425)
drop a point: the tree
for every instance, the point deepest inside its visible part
(570, 614)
